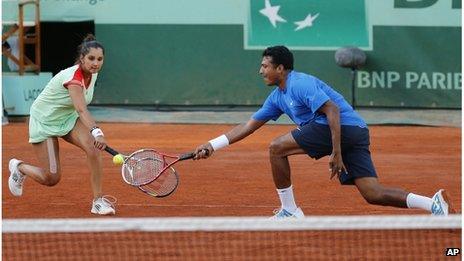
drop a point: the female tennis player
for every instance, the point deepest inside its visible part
(60, 111)
(326, 126)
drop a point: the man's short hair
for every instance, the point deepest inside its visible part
(280, 55)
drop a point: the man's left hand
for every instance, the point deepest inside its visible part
(336, 166)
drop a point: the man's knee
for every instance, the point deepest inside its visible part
(374, 195)
(374, 198)
(370, 190)
(283, 146)
(276, 148)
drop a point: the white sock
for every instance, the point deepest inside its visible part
(286, 199)
(417, 201)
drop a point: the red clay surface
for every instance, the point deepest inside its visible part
(235, 181)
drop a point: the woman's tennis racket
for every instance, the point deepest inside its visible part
(167, 179)
(140, 167)
(151, 170)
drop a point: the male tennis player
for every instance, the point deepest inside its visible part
(326, 125)
(61, 111)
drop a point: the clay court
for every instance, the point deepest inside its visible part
(235, 181)
(180, 73)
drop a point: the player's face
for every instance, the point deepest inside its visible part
(269, 72)
(92, 61)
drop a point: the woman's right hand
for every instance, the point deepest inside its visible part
(100, 142)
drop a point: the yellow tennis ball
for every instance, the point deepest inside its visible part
(118, 159)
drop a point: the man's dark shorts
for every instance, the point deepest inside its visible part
(316, 140)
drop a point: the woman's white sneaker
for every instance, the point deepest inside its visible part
(16, 179)
(104, 205)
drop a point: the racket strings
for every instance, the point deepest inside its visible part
(164, 185)
(142, 167)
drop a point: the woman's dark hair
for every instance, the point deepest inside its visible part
(89, 42)
(280, 55)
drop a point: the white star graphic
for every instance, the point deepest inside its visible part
(307, 22)
(271, 13)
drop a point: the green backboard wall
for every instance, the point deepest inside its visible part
(302, 24)
(207, 52)
(423, 73)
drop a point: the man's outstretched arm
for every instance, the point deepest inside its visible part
(237, 133)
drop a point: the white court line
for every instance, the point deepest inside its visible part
(188, 205)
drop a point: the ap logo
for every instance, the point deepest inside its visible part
(453, 251)
(303, 24)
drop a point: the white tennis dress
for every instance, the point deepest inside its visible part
(52, 113)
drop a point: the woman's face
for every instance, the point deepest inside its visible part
(92, 61)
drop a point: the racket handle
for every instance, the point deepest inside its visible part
(187, 156)
(111, 151)
(190, 155)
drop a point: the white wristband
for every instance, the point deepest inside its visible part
(219, 142)
(97, 132)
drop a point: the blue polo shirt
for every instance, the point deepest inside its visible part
(303, 95)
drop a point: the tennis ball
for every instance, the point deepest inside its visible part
(118, 159)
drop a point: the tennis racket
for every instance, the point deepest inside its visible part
(167, 179)
(151, 170)
(140, 167)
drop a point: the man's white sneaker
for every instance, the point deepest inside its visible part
(16, 179)
(103, 206)
(441, 205)
(284, 214)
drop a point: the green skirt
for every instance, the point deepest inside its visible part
(40, 131)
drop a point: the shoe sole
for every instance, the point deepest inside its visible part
(10, 185)
(10, 166)
(109, 213)
(10, 181)
(446, 198)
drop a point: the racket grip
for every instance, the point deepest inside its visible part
(187, 156)
(190, 155)
(111, 151)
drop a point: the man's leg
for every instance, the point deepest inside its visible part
(374, 193)
(279, 150)
(361, 168)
